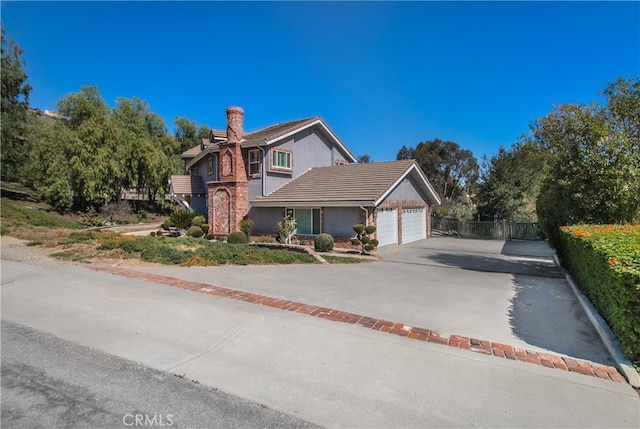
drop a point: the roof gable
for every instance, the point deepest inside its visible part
(270, 135)
(348, 185)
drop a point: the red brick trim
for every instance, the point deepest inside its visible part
(411, 332)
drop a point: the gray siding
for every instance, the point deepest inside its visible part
(310, 149)
(339, 221)
(202, 169)
(254, 189)
(265, 219)
(199, 204)
(407, 190)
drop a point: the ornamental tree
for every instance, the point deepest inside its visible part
(363, 238)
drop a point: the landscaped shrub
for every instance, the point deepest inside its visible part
(362, 237)
(287, 229)
(152, 233)
(205, 228)
(195, 231)
(181, 219)
(210, 236)
(323, 243)
(198, 220)
(605, 262)
(237, 237)
(246, 225)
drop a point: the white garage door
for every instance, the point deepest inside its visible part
(414, 224)
(387, 226)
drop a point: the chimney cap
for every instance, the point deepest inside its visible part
(235, 109)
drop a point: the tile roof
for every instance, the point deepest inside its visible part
(346, 185)
(187, 185)
(274, 131)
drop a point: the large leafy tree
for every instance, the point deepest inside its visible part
(187, 134)
(510, 183)
(96, 170)
(452, 170)
(594, 170)
(15, 102)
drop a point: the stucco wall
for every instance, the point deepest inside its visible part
(265, 219)
(339, 221)
(407, 190)
(310, 149)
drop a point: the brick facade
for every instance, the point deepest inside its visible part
(228, 198)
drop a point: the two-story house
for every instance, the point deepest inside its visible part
(301, 168)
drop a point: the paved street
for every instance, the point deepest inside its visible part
(51, 383)
(339, 374)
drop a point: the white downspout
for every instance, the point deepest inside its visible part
(366, 215)
(264, 172)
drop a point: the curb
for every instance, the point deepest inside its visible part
(604, 331)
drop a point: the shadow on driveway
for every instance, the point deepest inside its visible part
(543, 312)
(532, 267)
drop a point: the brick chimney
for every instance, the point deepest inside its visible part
(235, 116)
(228, 198)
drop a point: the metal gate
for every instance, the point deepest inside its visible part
(502, 230)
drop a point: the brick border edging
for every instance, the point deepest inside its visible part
(416, 333)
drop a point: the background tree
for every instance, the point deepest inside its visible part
(187, 134)
(452, 170)
(14, 104)
(510, 183)
(594, 153)
(364, 159)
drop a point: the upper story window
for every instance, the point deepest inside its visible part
(255, 163)
(212, 166)
(281, 160)
(341, 162)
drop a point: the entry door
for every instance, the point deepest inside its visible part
(387, 226)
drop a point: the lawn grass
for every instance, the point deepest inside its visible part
(342, 259)
(186, 251)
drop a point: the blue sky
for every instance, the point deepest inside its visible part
(381, 74)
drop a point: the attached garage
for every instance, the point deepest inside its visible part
(414, 224)
(387, 226)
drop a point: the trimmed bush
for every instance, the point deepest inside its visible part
(181, 219)
(605, 262)
(152, 233)
(246, 225)
(205, 228)
(237, 237)
(195, 231)
(323, 243)
(362, 237)
(198, 220)
(210, 236)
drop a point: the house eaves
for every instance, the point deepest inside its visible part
(424, 184)
(324, 127)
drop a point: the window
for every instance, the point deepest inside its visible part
(212, 167)
(254, 162)
(280, 160)
(307, 220)
(341, 162)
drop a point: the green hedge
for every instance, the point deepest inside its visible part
(605, 262)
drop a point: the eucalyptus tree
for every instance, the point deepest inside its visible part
(15, 103)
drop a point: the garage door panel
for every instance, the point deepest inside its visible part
(414, 224)
(387, 226)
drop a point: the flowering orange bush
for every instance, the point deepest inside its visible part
(605, 261)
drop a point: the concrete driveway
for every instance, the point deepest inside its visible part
(510, 293)
(327, 373)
